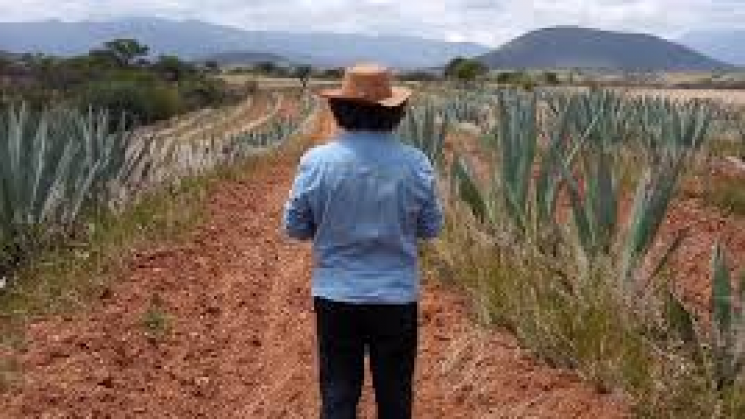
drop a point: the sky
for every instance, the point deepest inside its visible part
(490, 22)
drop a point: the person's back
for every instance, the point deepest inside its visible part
(371, 198)
(365, 199)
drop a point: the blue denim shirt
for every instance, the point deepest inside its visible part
(364, 199)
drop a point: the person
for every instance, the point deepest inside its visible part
(365, 199)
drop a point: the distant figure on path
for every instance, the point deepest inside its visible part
(365, 199)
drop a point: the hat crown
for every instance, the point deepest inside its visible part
(369, 82)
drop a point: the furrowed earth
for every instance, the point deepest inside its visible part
(238, 338)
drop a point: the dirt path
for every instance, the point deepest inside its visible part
(241, 341)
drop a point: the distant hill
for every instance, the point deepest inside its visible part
(724, 45)
(238, 58)
(574, 47)
(195, 39)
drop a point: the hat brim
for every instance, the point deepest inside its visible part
(398, 97)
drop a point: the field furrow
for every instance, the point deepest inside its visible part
(240, 343)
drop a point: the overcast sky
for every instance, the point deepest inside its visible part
(485, 21)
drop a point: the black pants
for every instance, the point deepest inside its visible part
(389, 334)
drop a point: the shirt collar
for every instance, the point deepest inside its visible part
(366, 135)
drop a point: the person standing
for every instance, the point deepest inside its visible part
(365, 200)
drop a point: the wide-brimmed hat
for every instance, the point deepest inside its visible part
(371, 83)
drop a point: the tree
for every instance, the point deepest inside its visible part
(44, 68)
(551, 78)
(5, 65)
(303, 74)
(212, 66)
(123, 51)
(467, 70)
(418, 75)
(333, 73)
(172, 68)
(266, 67)
(451, 68)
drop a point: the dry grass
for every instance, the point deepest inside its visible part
(271, 83)
(731, 97)
(587, 328)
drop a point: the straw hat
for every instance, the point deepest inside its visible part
(370, 83)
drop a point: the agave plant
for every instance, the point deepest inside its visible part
(54, 163)
(726, 337)
(657, 188)
(425, 128)
(467, 107)
(197, 157)
(584, 136)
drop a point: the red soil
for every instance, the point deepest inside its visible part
(706, 224)
(241, 341)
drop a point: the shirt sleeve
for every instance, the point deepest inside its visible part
(298, 220)
(429, 224)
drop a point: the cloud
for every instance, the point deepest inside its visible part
(485, 21)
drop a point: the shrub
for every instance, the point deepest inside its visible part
(137, 102)
(198, 93)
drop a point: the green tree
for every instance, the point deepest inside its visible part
(467, 70)
(5, 65)
(451, 68)
(172, 68)
(551, 78)
(303, 73)
(125, 51)
(212, 66)
(266, 67)
(333, 73)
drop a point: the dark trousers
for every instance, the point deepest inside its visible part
(345, 332)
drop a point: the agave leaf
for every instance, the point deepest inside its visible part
(680, 319)
(667, 254)
(581, 221)
(721, 299)
(467, 188)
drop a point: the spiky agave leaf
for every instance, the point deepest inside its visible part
(518, 143)
(722, 296)
(723, 313)
(681, 320)
(466, 187)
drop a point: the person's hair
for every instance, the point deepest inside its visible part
(352, 115)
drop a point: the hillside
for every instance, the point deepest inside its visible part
(237, 58)
(725, 45)
(7, 55)
(574, 47)
(196, 39)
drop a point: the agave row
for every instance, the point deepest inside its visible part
(576, 153)
(53, 165)
(57, 165)
(575, 149)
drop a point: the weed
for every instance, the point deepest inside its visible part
(156, 321)
(727, 194)
(10, 373)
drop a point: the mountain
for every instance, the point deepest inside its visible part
(237, 58)
(197, 39)
(574, 47)
(725, 45)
